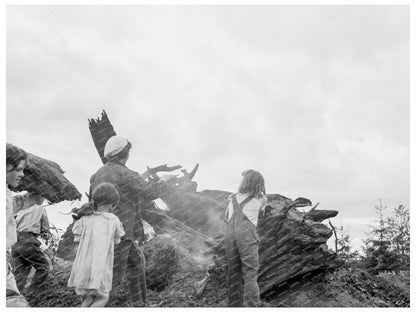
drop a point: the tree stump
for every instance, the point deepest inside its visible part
(292, 243)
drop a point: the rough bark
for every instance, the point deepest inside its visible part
(46, 178)
(101, 130)
(321, 215)
(292, 246)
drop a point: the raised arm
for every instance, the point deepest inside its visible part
(147, 190)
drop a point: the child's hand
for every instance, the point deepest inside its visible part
(84, 210)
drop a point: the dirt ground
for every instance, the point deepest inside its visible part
(172, 275)
(346, 287)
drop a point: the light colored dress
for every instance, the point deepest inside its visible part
(92, 270)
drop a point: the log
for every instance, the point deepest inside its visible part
(46, 178)
(320, 215)
(292, 248)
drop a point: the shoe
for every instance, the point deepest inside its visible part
(139, 303)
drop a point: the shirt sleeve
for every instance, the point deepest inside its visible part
(77, 230)
(119, 232)
(17, 203)
(44, 222)
(147, 190)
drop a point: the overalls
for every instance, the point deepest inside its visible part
(241, 249)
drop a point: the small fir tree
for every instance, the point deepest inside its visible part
(378, 249)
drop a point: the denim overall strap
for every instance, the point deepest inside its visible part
(238, 207)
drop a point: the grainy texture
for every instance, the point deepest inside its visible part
(101, 130)
(46, 178)
(292, 244)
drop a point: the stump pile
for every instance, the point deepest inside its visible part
(292, 243)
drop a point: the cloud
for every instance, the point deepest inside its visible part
(315, 97)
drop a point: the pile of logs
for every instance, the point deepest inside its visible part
(292, 243)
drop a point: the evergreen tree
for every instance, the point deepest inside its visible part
(378, 250)
(399, 235)
(343, 246)
(345, 249)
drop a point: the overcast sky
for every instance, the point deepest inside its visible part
(314, 97)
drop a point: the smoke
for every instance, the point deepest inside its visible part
(189, 252)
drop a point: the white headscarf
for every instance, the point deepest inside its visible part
(114, 145)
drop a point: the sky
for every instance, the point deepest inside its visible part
(314, 97)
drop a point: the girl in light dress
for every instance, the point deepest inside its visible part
(92, 270)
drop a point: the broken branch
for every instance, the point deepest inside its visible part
(152, 171)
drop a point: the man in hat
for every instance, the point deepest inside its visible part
(135, 193)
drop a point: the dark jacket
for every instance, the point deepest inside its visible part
(134, 192)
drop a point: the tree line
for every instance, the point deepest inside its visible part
(388, 246)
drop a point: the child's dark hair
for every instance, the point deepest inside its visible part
(253, 183)
(104, 194)
(14, 155)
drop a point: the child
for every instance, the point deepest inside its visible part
(32, 222)
(241, 240)
(16, 160)
(92, 271)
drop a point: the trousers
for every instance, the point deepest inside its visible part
(26, 253)
(241, 250)
(129, 261)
